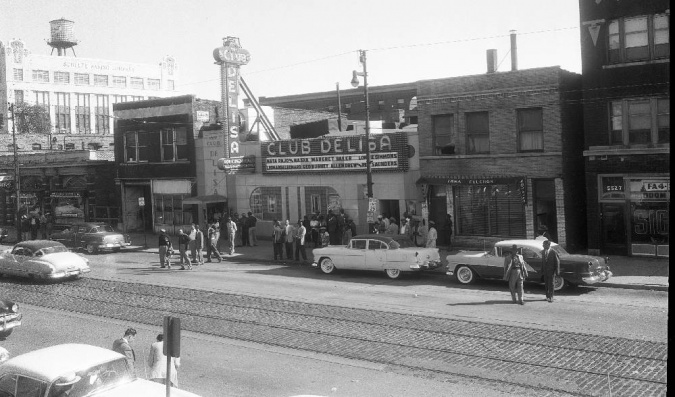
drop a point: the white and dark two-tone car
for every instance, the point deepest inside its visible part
(42, 260)
(467, 266)
(392, 254)
(76, 370)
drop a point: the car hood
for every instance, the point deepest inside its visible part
(145, 388)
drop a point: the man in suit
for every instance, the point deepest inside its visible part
(550, 267)
(123, 346)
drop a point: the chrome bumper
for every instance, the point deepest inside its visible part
(603, 276)
(426, 265)
(10, 321)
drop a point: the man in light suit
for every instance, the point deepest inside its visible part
(122, 346)
(550, 267)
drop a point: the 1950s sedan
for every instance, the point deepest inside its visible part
(76, 370)
(92, 236)
(466, 266)
(389, 253)
(42, 260)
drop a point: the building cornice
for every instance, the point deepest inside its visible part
(492, 156)
(594, 151)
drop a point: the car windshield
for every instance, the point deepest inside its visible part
(92, 380)
(51, 250)
(102, 229)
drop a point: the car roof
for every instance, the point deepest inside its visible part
(532, 244)
(49, 363)
(38, 244)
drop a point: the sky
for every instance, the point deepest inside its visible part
(305, 46)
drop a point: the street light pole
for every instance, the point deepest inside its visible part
(355, 83)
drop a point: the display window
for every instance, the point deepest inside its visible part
(489, 210)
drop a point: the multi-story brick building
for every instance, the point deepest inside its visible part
(501, 154)
(78, 92)
(626, 98)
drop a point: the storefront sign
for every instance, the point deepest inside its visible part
(237, 165)
(203, 116)
(330, 154)
(230, 57)
(649, 190)
(65, 194)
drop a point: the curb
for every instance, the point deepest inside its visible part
(644, 287)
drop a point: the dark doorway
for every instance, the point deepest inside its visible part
(546, 218)
(613, 229)
(438, 208)
(389, 208)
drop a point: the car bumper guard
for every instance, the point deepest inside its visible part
(10, 321)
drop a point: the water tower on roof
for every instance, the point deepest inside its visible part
(62, 36)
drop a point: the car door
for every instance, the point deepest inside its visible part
(491, 265)
(376, 255)
(533, 260)
(13, 263)
(81, 236)
(352, 256)
(65, 236)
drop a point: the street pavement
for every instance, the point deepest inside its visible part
(628, 272)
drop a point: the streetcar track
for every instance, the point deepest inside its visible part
(308, 320)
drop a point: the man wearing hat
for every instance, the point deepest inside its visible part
(164, 245)
(515, 272)
(393, 227)
(432, 235)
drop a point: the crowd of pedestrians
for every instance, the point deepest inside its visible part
(416, 228)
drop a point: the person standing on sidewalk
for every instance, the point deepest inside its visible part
(231, 227)
(193, 243)
(213, 234)
(164, 244)
(244, 230)
(199, 245)
(290, 238)
(183, 246)
(515, 272)
(278, 238)
(252, 236)
(432, 235)
(300, 233)
(550, 268)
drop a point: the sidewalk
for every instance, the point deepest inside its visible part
(628, 272)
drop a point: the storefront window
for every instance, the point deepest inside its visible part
(68, 207)
(650, 216)
(318, 199)
(489, 210)
(168, 210)
(265, 203)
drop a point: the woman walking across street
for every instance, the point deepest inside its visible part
(515, 272)
(157, 363)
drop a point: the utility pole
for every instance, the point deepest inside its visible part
(369, 175)
(17, 181)
(339, 106)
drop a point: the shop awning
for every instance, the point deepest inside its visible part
(470, 180)
(212, 198)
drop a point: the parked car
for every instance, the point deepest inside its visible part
(467, 266)
(389, 253)
(76, 370)
(92, 237)
(10, 317)
(42, 260)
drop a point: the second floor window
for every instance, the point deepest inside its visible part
(639, 38)
(640, 121)
(62, 77)
(18, 74)
(174, 144)
(477, 133)
(136, 146)
(81, 79)
(62, 111)
(443, 126)
(137, 82)
(119, 81)
(101, 80)
(530, 130)
(153, 84)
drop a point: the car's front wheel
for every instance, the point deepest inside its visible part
(558, 283)
(327, 265)
(393, 273)
(465, 275)
(91, 249)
